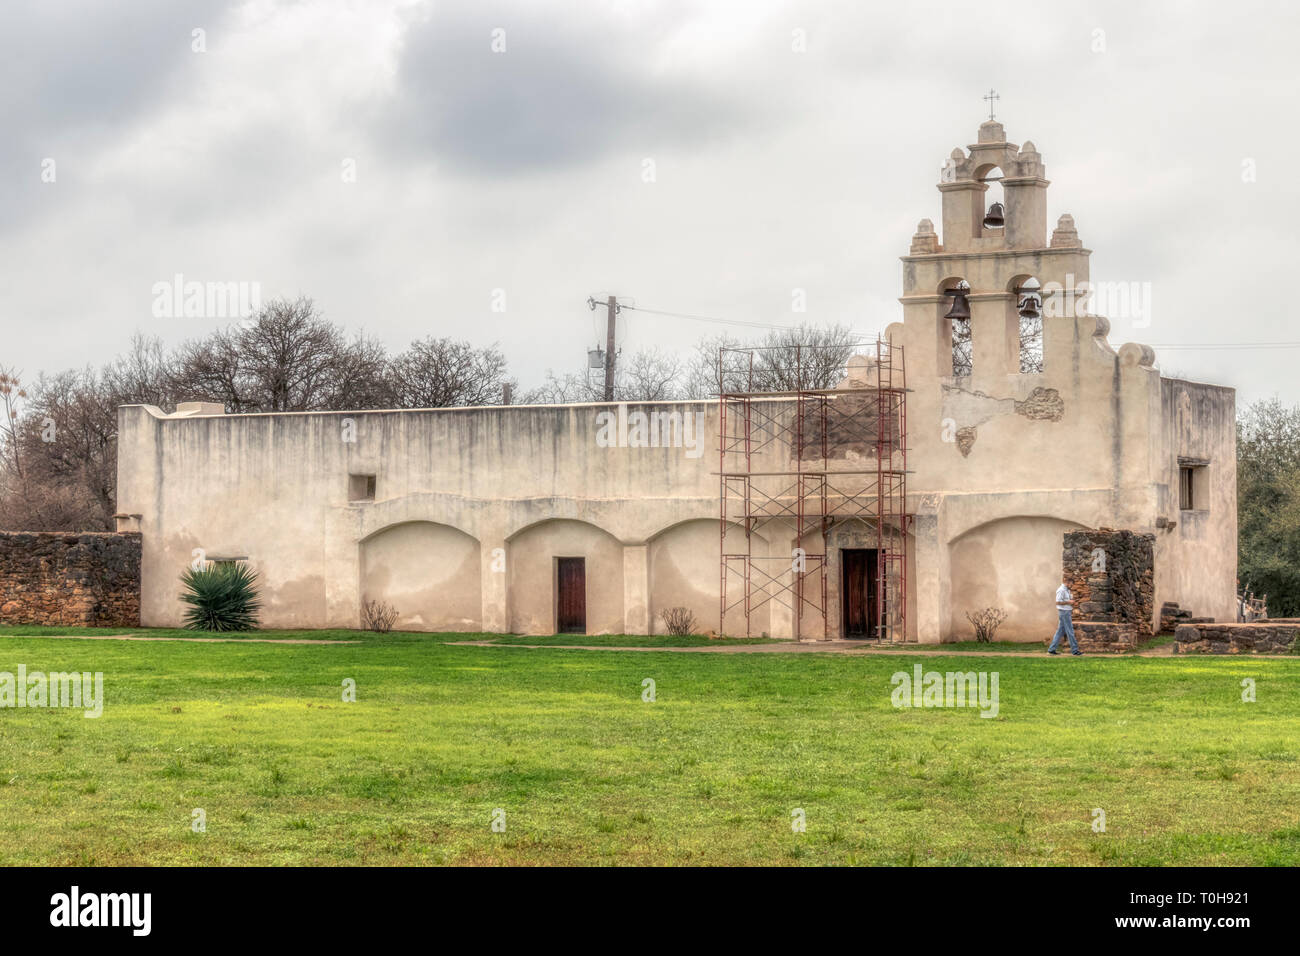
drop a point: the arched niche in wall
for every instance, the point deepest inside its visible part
(1011, 563)
(532, 568)
(685, 571)
(428, 572)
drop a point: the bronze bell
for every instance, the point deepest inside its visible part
(1029, 307)
(960, 307)
(994, 218)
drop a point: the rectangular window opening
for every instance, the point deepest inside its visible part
(361, 487)
(1193, 493)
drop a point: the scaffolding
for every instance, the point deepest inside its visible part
(811, 440)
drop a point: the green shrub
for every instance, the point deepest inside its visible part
(221, 597)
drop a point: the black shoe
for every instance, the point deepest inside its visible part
(1076, 653)
(1053, 653)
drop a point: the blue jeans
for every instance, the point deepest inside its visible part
(1066, 627)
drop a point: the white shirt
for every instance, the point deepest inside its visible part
(1063, 598)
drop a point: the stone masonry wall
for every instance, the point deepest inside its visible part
(1262, 637)
(1112, 576)
(57, 578)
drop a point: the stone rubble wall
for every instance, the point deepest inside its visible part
(1112, 576)
(58, 578)
(1171, 615)
(1260, 637)
(1103, 637)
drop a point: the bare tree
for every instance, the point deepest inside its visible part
(703, 371)
(58, 444)
(783, 360)
(12, 395)
(57, 472)
(143, 376)
(70, 440)
(649, 376)
(568, 389)
(212, 369)
(361, 376)
(290, 358)
(441, 373)
(285, 359)
(963, 350)
(1031, 343)
(805, 358)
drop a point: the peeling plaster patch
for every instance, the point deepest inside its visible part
(1042, 405)
(972, 409)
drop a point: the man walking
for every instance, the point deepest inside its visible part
(1064, 611)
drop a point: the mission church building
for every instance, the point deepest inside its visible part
(1019, 422)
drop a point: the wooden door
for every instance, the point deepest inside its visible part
(858, 598)
(571, 599)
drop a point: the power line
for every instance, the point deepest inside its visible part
(741, 323)
(709, 318)
(1172, 346)
(863, 339)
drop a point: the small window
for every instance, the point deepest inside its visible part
(1192, 492)
(361, 487)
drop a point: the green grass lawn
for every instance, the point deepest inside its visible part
(624, 640)
(273, 634)
(588, 773)
(342, 634)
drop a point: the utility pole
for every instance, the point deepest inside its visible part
(609, 348)
(613, 308)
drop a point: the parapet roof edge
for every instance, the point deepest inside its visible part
(157, 412)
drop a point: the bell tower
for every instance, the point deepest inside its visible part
(980, 299)
(969, 225)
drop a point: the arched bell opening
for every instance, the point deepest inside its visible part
(992, 197)
(1026, 317)
(955, 328)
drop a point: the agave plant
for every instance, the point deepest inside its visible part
(222, 597)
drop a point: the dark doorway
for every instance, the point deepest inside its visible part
(571, 596)
(858, 597)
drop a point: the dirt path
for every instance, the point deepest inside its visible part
(807, 647)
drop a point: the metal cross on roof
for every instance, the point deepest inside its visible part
(991, 96)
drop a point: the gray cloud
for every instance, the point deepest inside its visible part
(76, 75)
(521, 171)
(564, 91)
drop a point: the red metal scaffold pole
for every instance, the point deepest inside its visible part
(820, 403)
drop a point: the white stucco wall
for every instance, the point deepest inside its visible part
(473, 506)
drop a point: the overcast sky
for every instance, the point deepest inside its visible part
(525, 170)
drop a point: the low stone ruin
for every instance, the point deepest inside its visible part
(1112, 576)
(1259, 637)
